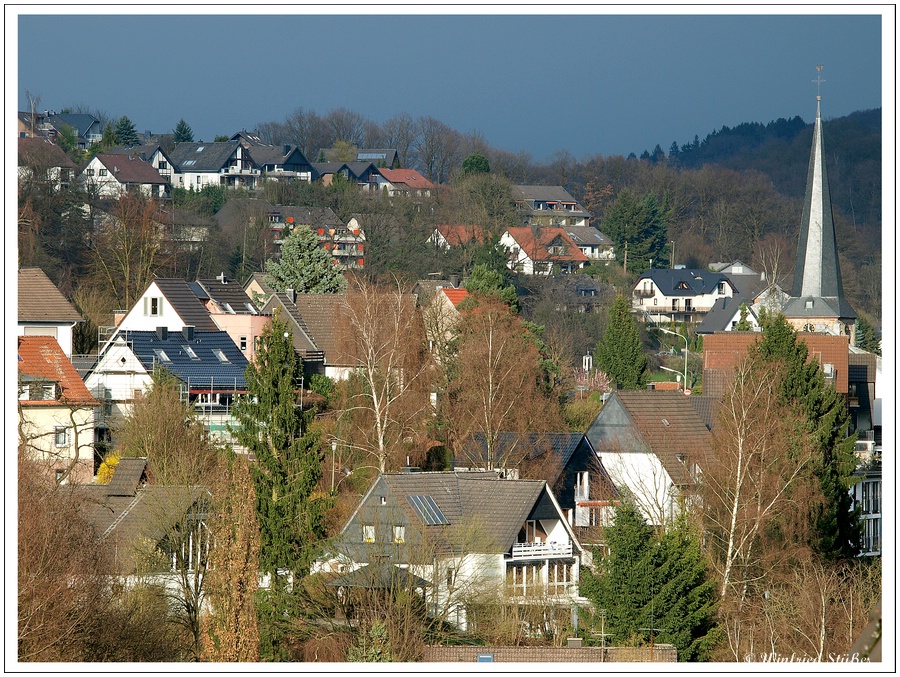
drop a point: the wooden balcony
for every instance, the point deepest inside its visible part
(541, 550)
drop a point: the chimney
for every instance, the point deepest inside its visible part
(291, 294)
(163, 333)
(287, 149)
(221, 278)
(188, 332)
(574, 642)
(454, 280)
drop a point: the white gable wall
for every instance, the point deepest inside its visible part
(150, 311)
(643, 476)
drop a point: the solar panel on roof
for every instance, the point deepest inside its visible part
(427, 509)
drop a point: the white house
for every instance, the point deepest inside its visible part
(224, 163)
(44, 311)
(542, 250)
(679, 295)
(465, 537)
(115, 175)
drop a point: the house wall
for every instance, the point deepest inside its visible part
(141, 318)
(63, 333)
(38, 424)
(243, 329)
(643, 477)
(647, 297)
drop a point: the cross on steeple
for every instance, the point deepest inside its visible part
(819, 82)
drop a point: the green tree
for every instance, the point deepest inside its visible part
(373, 646)
(68, 141)
(621, 354)
(182, 132)
(126, 132)
(476, 163)
(305, 266)
(487, 281)
(802, 387)
(273, 428)
(866, 336)
(643, 225)
(743, 323)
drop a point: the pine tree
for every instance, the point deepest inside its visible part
(866, 336)
(288, 466)
(126, 132)
(836, 525)
(643, 225)
(621, 354)
(182, 132)
(305, 266)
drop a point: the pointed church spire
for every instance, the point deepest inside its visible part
(818, 273)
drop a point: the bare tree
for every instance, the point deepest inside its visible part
(386, 398)
(438, 148)
(346, 125)
(401, 134)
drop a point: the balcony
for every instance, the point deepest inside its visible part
(644, 293)
(541, 550)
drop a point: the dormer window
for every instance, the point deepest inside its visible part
(721, 287)
(222, 357)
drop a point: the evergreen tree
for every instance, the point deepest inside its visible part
(836, 524)
(126, 132)
(182, 132)
(288, 466)
(305, 266)
(642, 224)
(743, 323)
(487, 281)
(621, 354)
(476, 163)
(866, 336)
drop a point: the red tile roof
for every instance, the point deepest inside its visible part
(41, 357)
(461, 234)
(455, 295)
(410, 177)
(536, 249)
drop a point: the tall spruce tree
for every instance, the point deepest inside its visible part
(288, 466)
(836, 524)
(182, 132)
(126, 132)
(643, 225)
(621, 353)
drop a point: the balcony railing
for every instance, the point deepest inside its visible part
(644, 293)
(541, 550)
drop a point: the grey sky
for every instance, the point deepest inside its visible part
(589, 84)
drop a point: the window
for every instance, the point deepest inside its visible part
(153, 306)
(368, 533)
(559, 577)
(89, 172)
(451, 576)
(161, 355)
(243, 341)
(721, 287)
(42, 391)
(190, 353)
(163, 164)
(220, 355)
(60, 436)
(60, 474)
(103, 172)
(399, 533)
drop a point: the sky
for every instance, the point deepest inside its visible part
(554, 80)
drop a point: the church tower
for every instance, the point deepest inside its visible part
(817, 300)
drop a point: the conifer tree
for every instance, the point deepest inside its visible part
(836, 525)
(126, 132)
(288, 466)
(182, 132)
(305, 266)
(621, 354)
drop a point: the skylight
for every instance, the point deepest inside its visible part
(161, 354)
(191, 353)
(427, 509)
(220, 355)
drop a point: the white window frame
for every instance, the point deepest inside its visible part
(368, 533)
(60, 432)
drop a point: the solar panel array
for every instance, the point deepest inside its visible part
(427, 509)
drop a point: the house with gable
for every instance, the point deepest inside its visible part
(357, 173)
(232, 311)
(44, 311)
(42, 161)
(467, 537)
(407, 182)
(56, 411)
(208, 364)
(109, 175)
(441, 316)
(654, 446)
(281, 163)
(87, 127)
(593, 244)
(151, 152)
(222, 163)
(380, 157)
(285, 305)
(549, 206)
(445, 236)
(542, 250)
(678, 295)
(568, 463)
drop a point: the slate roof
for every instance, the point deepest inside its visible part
(41, 358)
(320, 313)
(723, 311)
(207, 157)
(543, 193)
(127, 169)
(41, 301)
(707, 408)
(304, 345)
(537, 249)
(500, 506)
(82, 122)
(145, 151)
(664, 421)
(697, 282)
(380, 576)
(527, 445)
(131, 513)
(204, 372)
(588, 235)
(42, 153)
(227, 294)
(184, 301)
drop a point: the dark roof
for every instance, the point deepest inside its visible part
(696, 282)
(128, 169)
(207, 157)
(499, 506)
(205, 371)
(228, 294)
(588, 235)
(303, 343)
(723, 311)
(145, 151)
(184, 301)
(41, 301)
(35, 151)
(818, 306)
(320, 312)
(543, 193)
(707, 408)
(521, 446)
(82, 122)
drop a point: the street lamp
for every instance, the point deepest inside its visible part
(675, 333)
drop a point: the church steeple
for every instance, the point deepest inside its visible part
(817, 276)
